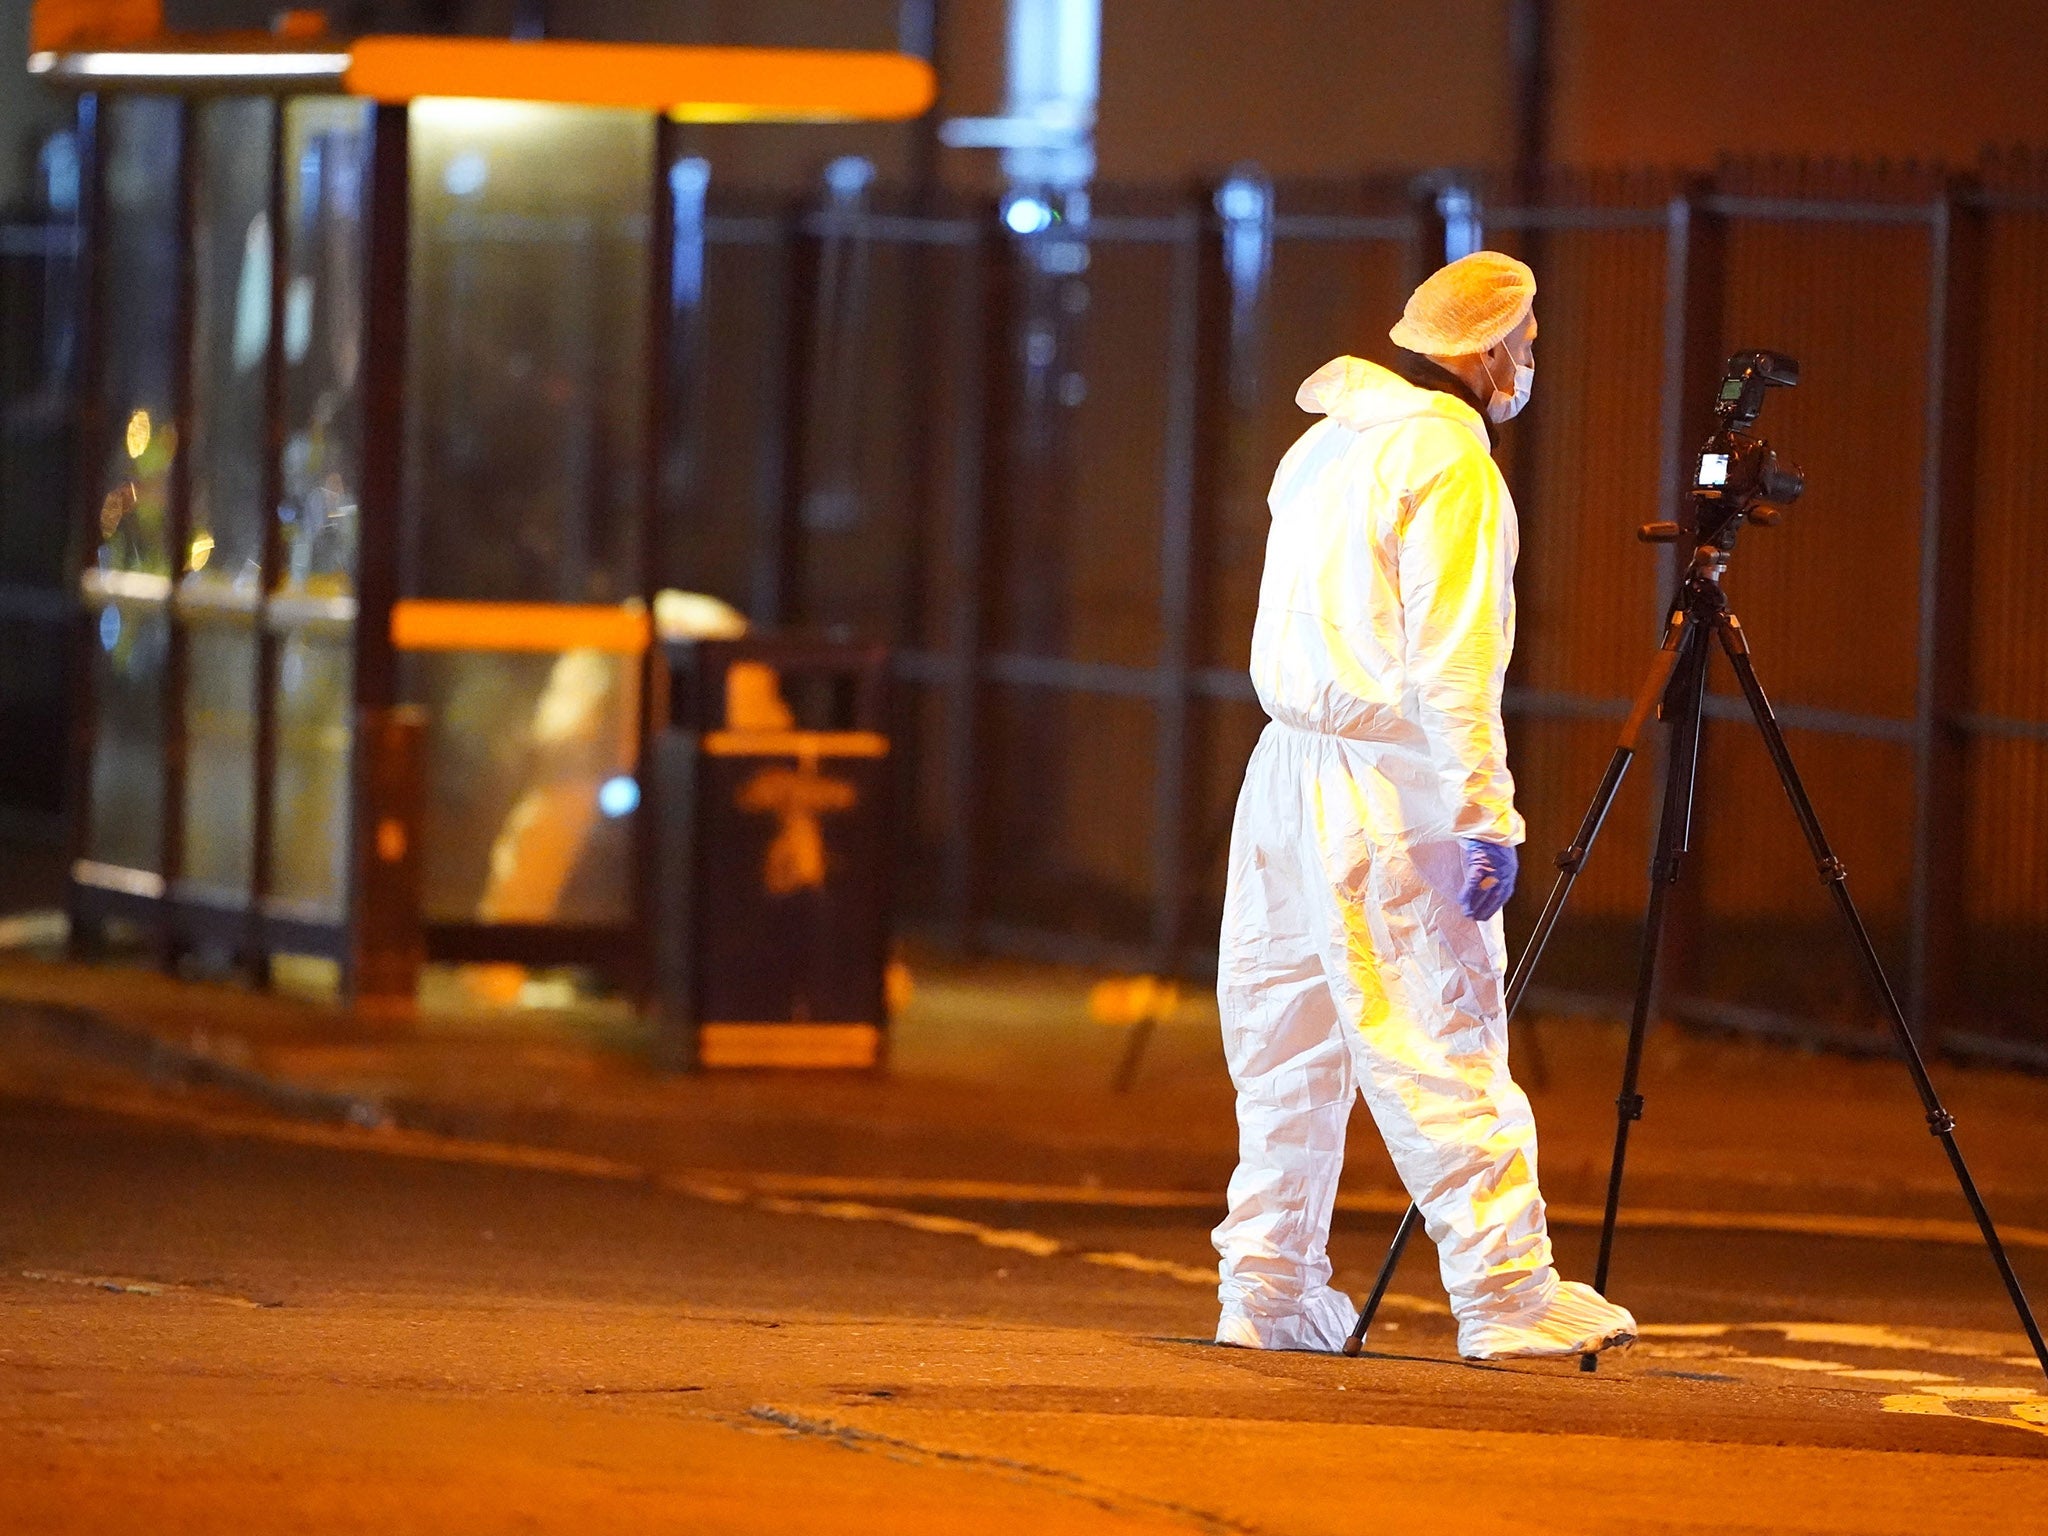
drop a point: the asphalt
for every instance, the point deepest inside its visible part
(213, 1317)
(265, 1265)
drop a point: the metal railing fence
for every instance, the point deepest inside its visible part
(1037, 465)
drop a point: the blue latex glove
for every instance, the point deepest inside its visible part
(1489, 878)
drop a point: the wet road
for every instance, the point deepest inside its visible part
(212, 1319)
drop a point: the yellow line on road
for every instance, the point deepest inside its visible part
(1032, 1243)
(2025, 1409)
(1905, 1229)
(397, 1142)
(886, 1187)
(389, 1140)
(831, 1197)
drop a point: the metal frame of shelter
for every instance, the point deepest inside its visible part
(983, 310)
(376, 935)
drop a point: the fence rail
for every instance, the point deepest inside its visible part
(1036, 464)
(1031, 648)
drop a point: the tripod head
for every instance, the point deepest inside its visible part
(1737, 477)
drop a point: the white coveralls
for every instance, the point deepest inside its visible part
(1386, 616)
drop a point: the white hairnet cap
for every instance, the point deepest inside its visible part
(1467, 306)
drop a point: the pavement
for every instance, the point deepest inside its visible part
(265, 1262)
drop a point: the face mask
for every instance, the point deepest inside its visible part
(1506, 405)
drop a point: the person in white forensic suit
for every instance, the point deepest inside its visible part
(1374, 846)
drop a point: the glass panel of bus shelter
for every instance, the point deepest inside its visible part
(312, 597)
(127, 585)
(526, 395)
(529, 318)
(221, 581)
(530, 788)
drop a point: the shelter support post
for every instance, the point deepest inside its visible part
(178, 530)
(664, 296)
(384, 948)
(90, 392)
(263, 830)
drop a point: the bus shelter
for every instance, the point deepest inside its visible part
(371, 413)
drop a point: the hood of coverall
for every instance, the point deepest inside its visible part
(1362, 395)
(1334, 651)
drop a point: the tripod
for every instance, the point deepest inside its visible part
(1677, 681)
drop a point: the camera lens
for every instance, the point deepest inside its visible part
(1779, 482)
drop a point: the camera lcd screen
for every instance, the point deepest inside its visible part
(1713, 469)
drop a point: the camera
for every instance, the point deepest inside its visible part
(1737, 477)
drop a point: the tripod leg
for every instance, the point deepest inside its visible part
(1677, 637)
(1836, 878)
(1410, 1219)
(1573, 858)
(1673, 835)
(1126, 1074)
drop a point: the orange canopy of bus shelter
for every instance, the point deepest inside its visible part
(122, 42)
(690, 84)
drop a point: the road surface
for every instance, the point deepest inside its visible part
(217, 1321)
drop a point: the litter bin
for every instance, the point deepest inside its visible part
(771, 852)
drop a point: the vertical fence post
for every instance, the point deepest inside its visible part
(780, 482)
(178, 531)
(918, 28)
(1176, 584)
(1532, 46)
(1936, 919)
(1428, 239)
(88, 395)
(1695, 305)
(926, 318)
(980, 327)
(1684, 223)
(663, 298)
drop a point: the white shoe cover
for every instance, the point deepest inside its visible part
(1324, 1323)
(1576, 1320)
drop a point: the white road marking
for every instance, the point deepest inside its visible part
(786, 1194)
(2025, 1408)
(1387, 1203)
(1835, 1368)
(1843, 1335)
(127, 1285)
(1138, 1264)
(1036, 1244)
(1850, 1336)
(1033, 1243)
